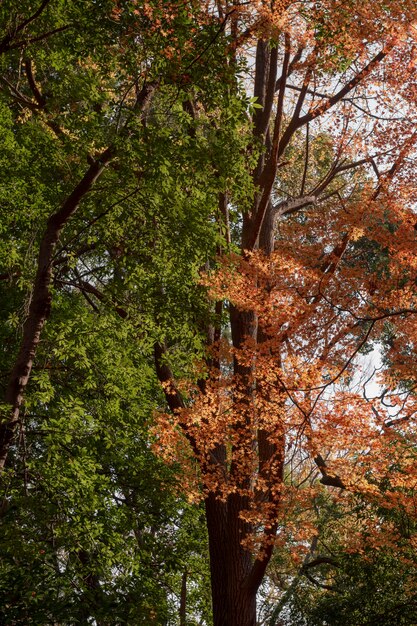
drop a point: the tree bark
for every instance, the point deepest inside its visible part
(234, 603)
(183, 600)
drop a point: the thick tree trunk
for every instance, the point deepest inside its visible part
(242, 600)
(234, 602)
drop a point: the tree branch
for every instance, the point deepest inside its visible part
(287, 207)
(327, 479)
(326, 104)
(40, 304)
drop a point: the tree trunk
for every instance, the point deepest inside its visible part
(183, 600)
(234, 602)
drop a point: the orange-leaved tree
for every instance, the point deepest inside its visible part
(315, 267)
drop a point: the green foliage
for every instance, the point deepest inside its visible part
(94, 526)
(100, 527)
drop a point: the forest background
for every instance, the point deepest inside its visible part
(208, 295)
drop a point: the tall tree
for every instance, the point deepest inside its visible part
(300, 302)
(107, 193)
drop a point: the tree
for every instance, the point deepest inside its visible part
(153, 164)
(301, 306)
(102, 528)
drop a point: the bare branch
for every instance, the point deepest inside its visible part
(350, 85)
(287, 207)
